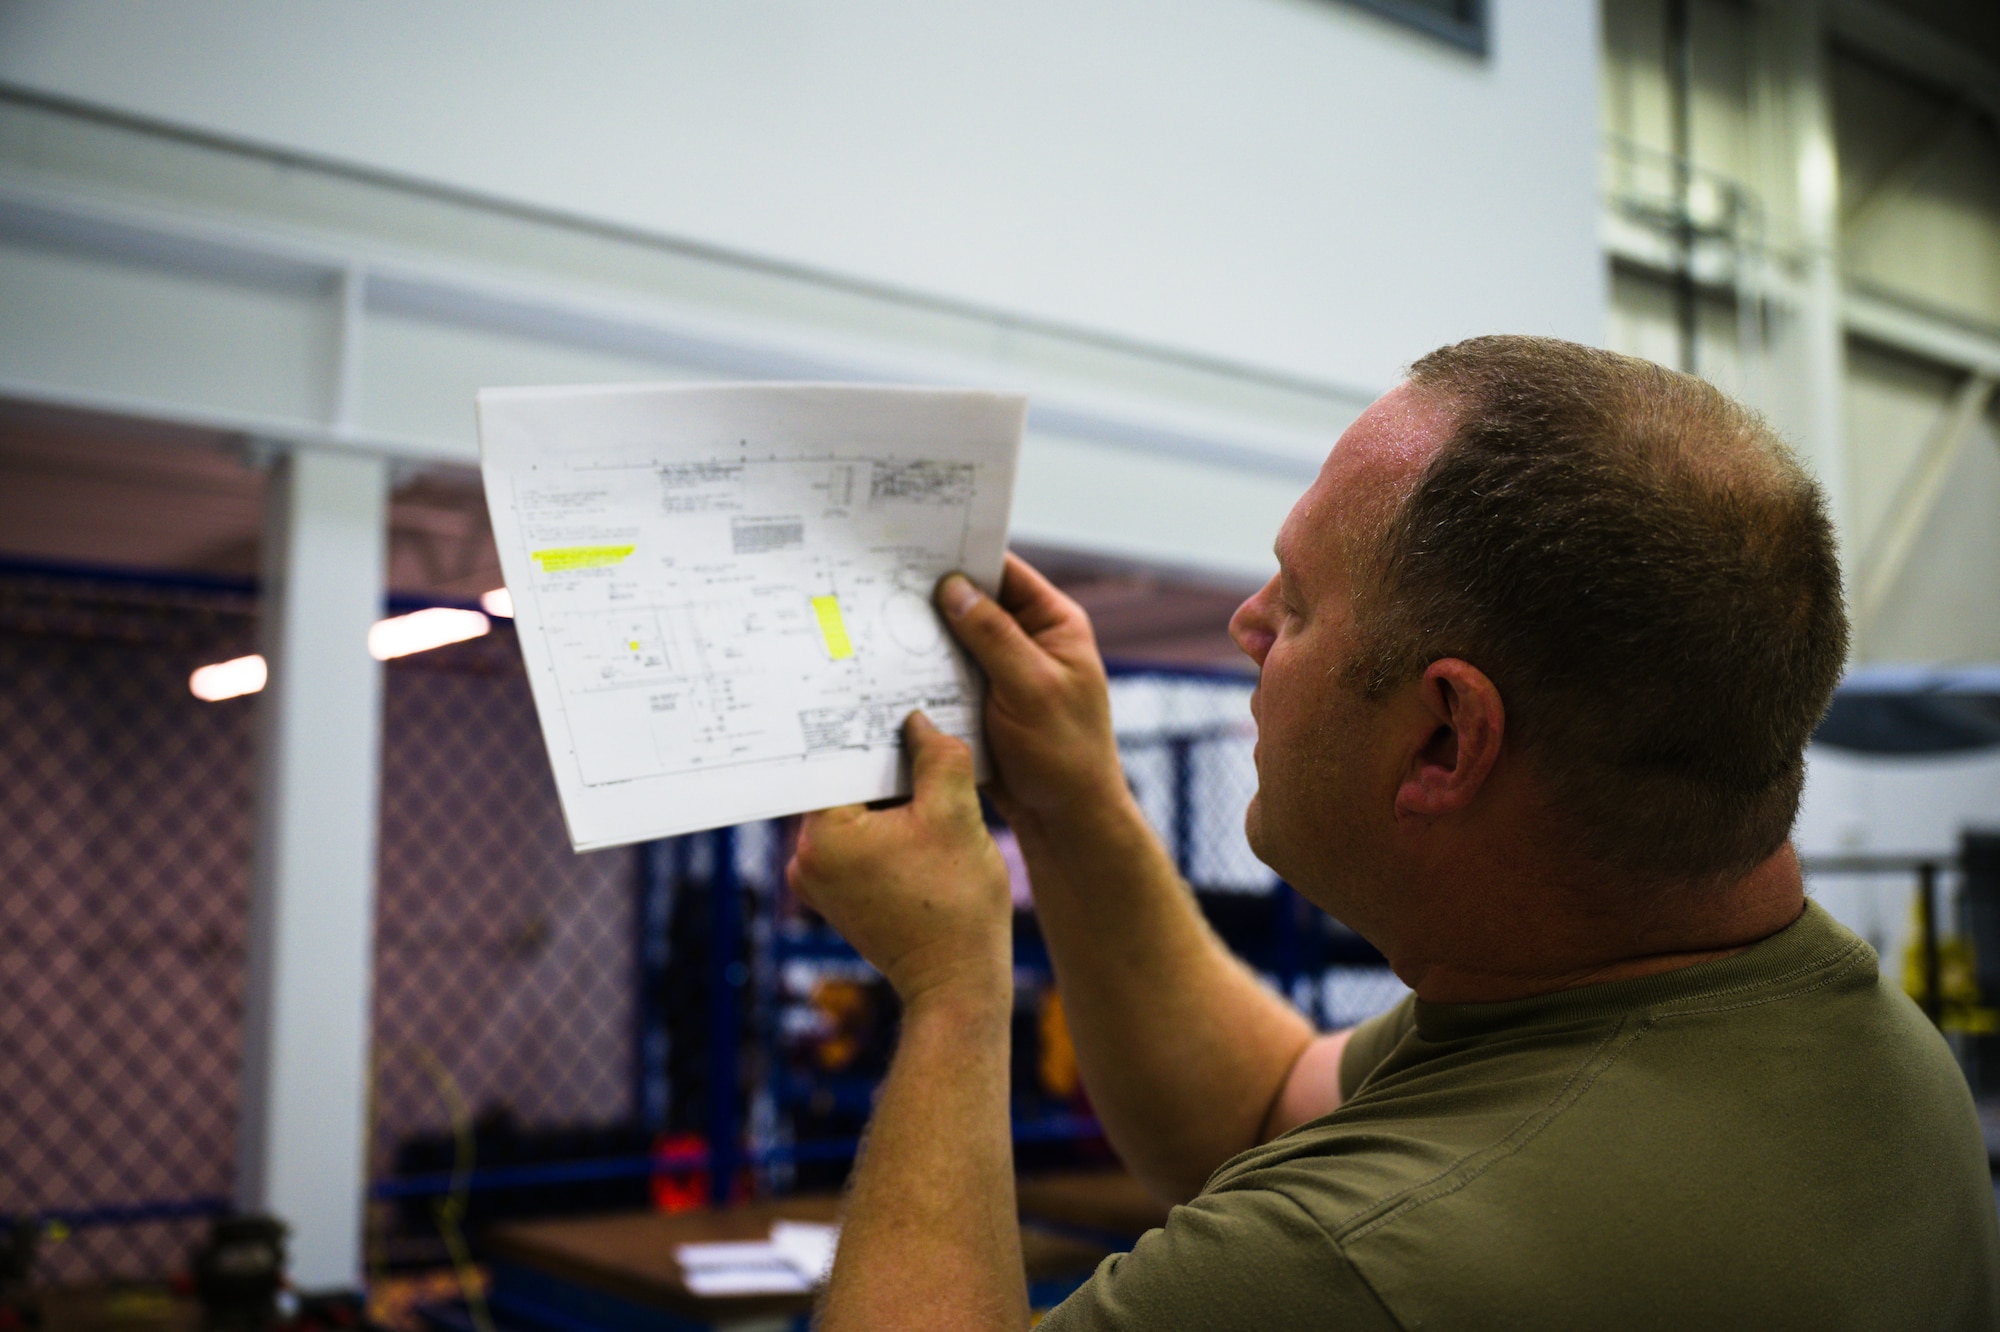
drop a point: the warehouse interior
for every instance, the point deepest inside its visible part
(324, 952)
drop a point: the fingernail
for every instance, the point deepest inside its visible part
(957, 595)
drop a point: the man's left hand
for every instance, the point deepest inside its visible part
(920, 890)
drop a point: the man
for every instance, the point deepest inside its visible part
(1536, 674)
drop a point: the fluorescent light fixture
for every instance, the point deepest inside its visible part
(499, 602)
(228, 679)
(397, 636)
(420, 631)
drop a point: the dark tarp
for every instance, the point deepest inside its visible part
(1868, 721)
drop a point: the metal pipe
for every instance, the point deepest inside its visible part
(725, 974)
(1927, 876)
(1680, 85)
(1051, 1128)
(1180, 753)
(661, 868)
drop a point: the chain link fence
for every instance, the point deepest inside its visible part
(124, 863)
(504, 963)
(647, 1026)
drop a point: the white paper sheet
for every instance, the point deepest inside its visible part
(777, 1279)
(728, 1253)
(806, 1246)
(723, 592)
(797, 1257)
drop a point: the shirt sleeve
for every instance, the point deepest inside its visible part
(1249, 1259)
(1372, 1042)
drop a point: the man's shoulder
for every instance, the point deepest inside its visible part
(1746, 1137)
(1239, 1258)
(1737, 1085)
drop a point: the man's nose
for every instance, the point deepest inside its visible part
(1249, 626)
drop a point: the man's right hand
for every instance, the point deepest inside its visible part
(1184, 1051)
(1048, 712)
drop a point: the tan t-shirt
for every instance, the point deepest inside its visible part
(1772, 1140)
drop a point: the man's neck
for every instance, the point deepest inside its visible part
(1561, 939)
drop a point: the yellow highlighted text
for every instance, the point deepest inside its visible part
(832, 628)
(562, 559)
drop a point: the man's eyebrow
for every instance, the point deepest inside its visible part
(1279, 549)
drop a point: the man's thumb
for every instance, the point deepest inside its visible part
(940, 764)
(993, 637)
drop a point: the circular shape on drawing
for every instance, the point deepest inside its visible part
(912, 624)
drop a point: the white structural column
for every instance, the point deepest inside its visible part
(301, 1145)
(1810, 355)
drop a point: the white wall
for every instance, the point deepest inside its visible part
(1295, 184)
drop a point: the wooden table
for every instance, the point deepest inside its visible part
(119, 1308)
(618, 1274)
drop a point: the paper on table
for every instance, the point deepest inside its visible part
(754, 1267)
(719, 1281)
(797, 1257)
(722, 592)
(806, 1246)
(728, 1253)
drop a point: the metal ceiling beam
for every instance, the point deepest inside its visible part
(364, 282)
(1902, 324)
(1917, 50)
(1869, 311)
(1909, 169)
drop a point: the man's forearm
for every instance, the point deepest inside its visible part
(1182, 1050)
(929, 1237)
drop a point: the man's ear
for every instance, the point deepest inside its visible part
(1465, 720)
